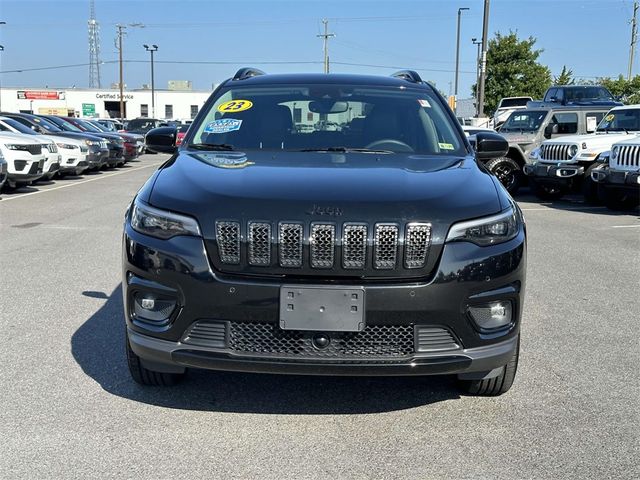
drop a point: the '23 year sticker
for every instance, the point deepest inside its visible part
(234, 106)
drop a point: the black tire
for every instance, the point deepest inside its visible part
(144, 376)
(546, 192)
(589, 187)
(614, 200)
(495, 386)
(507, 171)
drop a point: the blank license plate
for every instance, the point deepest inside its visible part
(323, 309)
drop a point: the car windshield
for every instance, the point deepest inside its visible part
(329, 117)
(63, 124)
(47, 125)
(579, 94)
(624, 120)
(18, 126)
(141, 124)
(524, 121)
(88, 126)
(514, 102)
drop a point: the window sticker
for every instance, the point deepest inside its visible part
(446, 146)
(233, 106)
(424, 103)
(609, 117)
(224, 125)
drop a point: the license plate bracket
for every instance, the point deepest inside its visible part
(322, 308)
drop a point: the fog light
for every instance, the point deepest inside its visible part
(492, 315)
(148, 308)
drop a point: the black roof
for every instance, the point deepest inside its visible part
(325, 78)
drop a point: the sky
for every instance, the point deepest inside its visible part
(371, 36)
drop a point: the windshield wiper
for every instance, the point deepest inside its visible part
(211, 146)
(345, 150)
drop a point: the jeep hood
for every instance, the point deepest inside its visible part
(296, 186)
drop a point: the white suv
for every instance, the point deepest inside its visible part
(73, 152)
(508, 105)
(25, 158)
(618, 177)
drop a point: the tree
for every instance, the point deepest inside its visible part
(565, 77)
(513, 70)
(627, 90)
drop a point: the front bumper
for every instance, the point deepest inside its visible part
(466, 275)
(33, 170)
(97, 157)
(554, 174)
(620, 180)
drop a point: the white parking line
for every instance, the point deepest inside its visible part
(103, 176)
(626, 226)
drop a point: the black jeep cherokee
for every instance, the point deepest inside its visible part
(325, 224)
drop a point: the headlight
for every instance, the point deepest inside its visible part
(535, 153)
(11, 146)
(161, 223)
(614, 152)
(573, 151)
(488, 230)
(91, 142)
(68, 146)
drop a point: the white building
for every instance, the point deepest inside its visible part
(103, 103)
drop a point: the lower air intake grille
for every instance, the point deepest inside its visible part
(207, 334)
(374, 341)
(228, 238)
(435, 339)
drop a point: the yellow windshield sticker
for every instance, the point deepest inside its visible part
(609, 117)
(234, 106)
(446, 146)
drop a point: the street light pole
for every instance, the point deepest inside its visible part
(152, 49)
(478, 43)
(1, 50)
(483, 60)
(455, 90)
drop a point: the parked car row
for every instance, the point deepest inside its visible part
(40, 147)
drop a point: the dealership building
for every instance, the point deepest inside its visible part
(104, 103)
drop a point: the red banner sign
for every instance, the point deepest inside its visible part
(38, 95)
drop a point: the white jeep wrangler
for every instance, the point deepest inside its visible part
(618, 176)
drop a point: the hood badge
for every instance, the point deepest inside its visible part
(325, 211)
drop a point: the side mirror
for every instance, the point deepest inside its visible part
(161, 140)
(490, 145)
(551, 129)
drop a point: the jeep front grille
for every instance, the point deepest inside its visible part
(52, 148)
(628, 158)
(259, 243)
(228, 236)
(322, 241)
(353, 246)
(555, 152)
(385, 246)
(290, 238)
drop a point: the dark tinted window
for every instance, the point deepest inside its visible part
(578, 94)
(514, 102)
(567, 122)
(551, 93)
(331, 116)
(19, 126)
(627, 119)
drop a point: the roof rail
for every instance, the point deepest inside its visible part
(247, 72)
(408, 75)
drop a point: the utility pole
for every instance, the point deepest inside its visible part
(483, 60)
(121, 29)
(634, 38)
(152, 49)
(325, 37)
(478, 43)
(1, 50)
(455, 90)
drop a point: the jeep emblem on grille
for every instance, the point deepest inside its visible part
(325, 211)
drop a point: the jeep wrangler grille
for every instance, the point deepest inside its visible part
(628, 158)
(555, 152)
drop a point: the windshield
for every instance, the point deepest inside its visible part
(579, 94)
(46, 124)
(142, 124)
(18, 126)
(329, 117)
(88, 126)
(524, 121)
(514, 102)
(625, 120)
(63, 124)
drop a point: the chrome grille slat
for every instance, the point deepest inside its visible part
(322, 242)
(259, 236)
(385, 246)
(354, 246)
(628, 158)
(555, 152)
(416, 245)
(290, 237)
(228, 239)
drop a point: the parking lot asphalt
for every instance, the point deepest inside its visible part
(70, 410)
